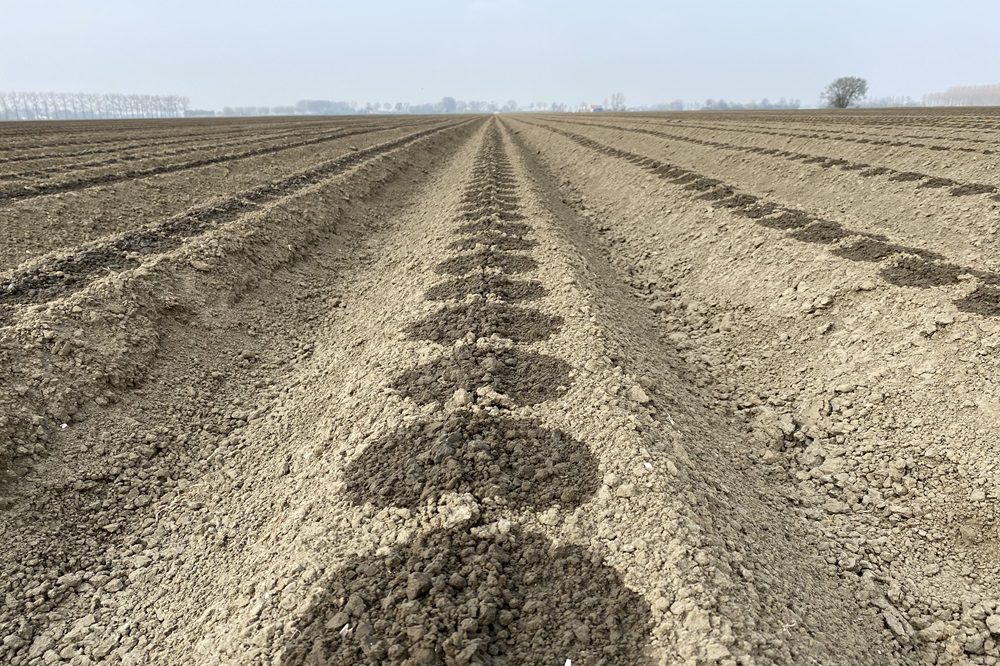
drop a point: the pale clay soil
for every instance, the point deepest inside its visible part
(653, 389)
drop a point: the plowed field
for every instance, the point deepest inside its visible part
(568, 389)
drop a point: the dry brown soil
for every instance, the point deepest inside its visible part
(570, 390)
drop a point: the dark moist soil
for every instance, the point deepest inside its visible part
(491, 178)
(868, 249)
(723, 192)
(822, 231)
(507, 263)
(57, 277)
(480, 198)
(907, 176)
(507, 462)
(459, 598)
(483, 319)
(490, 207)
(932, 183)
(756, 212)
(494, 226)
(495, 241)
(972, 188)
(487, 212)
(526, 378)
(487, 184)
(914, 272)
(512, 291)
(702, 184)
(737, 201)
(877, 171)
(832, 162)
(63, 275)
(789, 219)
(667, 171)
(983, 301)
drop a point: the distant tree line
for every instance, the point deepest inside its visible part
(323, 107)
(953, 97)
(723, 105)
(886, 102)
(79, 106)
(988, 95)
(763, 105)
(73, 106)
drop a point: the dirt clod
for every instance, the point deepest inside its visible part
(484, 259)
(525, 378)
(915, 272)
(483, 319)
(500, 242)
(485, 284)
(508, 462)
(518, 600)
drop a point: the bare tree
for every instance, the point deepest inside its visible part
(86, 104)
(30, 102)
(19, 105)
(845, 91)
(617, 102)
(75, 105)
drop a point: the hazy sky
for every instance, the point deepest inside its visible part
(250, 52)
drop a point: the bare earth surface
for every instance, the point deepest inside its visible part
(570, 390)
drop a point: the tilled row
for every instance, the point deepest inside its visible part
(926, 181)
(132, 142)
(908, 267)
(54, 278)
(858, 124)
(20, 193)
(483, 590)
(118, 387)
(915, 118)
(848, 136)
(145, 154)
(761, 350)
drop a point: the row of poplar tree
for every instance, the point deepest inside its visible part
(79, 106)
